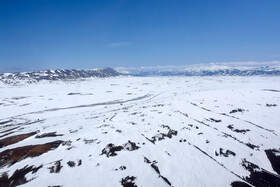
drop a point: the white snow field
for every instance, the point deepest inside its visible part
(141, 131)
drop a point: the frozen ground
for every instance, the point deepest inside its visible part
(148, 131)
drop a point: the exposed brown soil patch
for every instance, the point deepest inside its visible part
(14, 139)
(11, 156)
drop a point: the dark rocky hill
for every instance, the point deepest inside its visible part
(58, 74)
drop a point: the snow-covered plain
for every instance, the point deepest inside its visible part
(146, 131)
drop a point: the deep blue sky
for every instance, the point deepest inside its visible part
(44, 34)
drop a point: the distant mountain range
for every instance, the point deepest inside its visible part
(58, 74)
(213, 69)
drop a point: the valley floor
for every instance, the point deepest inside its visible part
(141, 131)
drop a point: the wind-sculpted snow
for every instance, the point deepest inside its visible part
(148, 131)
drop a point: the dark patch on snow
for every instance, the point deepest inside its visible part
(56, 168)
(79, 162)
(243, 131)
(74, 94)
(50, 134)
(205, 109)
(236, 110)
(130, 146)
(67, 143)
(162, 136)
(225, 153)
(271, 105)
(239, 184)
(167, 153)
(252, 146)
(186, 128)
(104, 125)
(259, 176)
(73, 131)
(155, 167)
(132, 123)
(273, 156)
(182, 140)
(128, 181)
(271, 90)
(146, 160)
(89, 141)
(18, 98)
(113, 117)
(122, 168)
(71, 164)
(111, 149)
(4, 122)
(18, 177)
(193, 104)
(215, 120)
(165, 126)
(184, 114)
(158, 105)
(166, 180)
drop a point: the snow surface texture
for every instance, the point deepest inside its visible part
(148, 131)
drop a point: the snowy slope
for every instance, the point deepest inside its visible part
(141, 131)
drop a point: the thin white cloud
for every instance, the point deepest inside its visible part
(119, 44)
